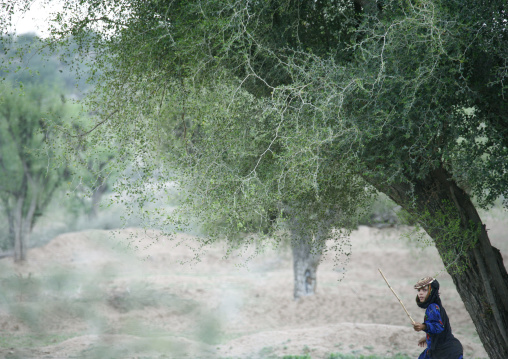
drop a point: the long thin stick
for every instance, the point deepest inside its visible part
(412, 321)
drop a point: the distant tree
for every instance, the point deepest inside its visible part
(24, 60)
(92, 171)
(27, 174)
(308, 246)
(26, 63)
(310, 96)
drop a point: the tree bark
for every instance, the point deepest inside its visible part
(96, 199)
(483, 286)
(27, 225)
(23, 220)
(306, 256)
(19, 249)
(10, 219)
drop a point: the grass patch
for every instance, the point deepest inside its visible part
(43, 302)
(32, 340)
(141, 295)
(352, 356)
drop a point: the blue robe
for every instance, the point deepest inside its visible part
(439, 330)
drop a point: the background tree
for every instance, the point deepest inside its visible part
(28, 177)
(409, 97)
(92, 175)
(36, 99)
(308, 246)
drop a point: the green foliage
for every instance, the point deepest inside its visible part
(449, 234)
(260, 111)
(383, 212)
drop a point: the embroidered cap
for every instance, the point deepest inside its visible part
(424, 282)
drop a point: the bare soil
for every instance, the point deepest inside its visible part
(96, 295)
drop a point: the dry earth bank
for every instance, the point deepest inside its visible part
(89, 295)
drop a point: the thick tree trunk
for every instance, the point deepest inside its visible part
(483, 286)
(306, 256)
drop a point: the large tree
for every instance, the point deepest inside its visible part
(261, 104)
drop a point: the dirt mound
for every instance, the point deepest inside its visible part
(347, 338)
(94, 295)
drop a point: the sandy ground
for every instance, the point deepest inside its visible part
(90, 295)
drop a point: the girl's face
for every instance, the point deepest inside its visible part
(422, 293)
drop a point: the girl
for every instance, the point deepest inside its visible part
(440, 342)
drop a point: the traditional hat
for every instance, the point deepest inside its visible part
(424, 282)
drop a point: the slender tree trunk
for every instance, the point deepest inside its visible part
(28, 221)
(483, 286)
(9, 213)
(10, 219)
(306, 256)
(19, 250)
(23, 222)
(96, 199)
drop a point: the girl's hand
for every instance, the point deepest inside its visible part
(419, 326)
(422, 342)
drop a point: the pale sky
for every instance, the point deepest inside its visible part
(36, 19)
